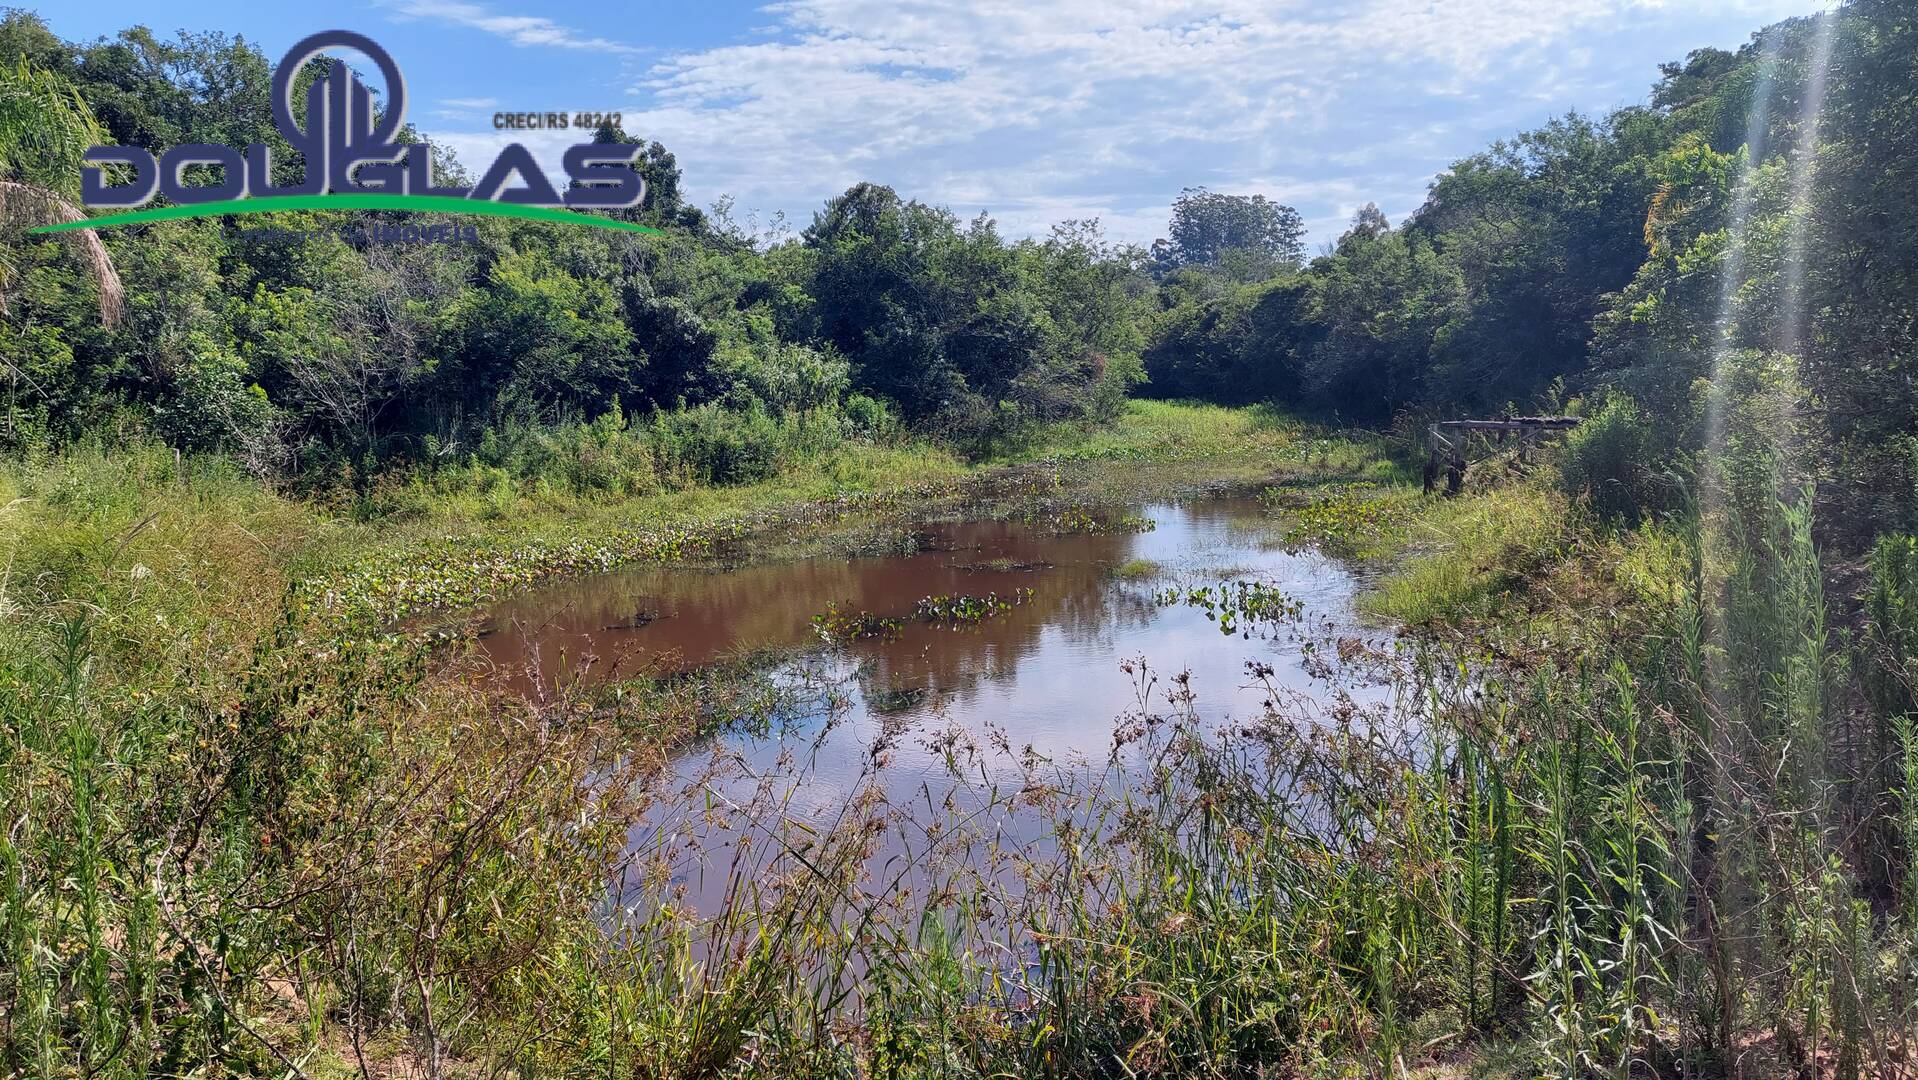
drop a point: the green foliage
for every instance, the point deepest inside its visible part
(1237, 607)
(1467, 555)
(1250, 345)
(962, 610)
(1664, 845)
(1892, 607)
(329, 360)
(1137, 570)
(963, 332)
(1861, 279)
(389, 845)
(550, 342)
(1353, 520)
(1483, 297)
(45, 127)
(1608, 462)
(1247, 237)
(836, 627)
(710, 444)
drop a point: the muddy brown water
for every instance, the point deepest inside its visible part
(1042, 682)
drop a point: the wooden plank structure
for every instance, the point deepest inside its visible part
(1445, 443)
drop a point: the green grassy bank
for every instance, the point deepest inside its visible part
(253, 828)
(254, 825)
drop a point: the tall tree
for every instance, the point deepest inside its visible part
(1249, 236)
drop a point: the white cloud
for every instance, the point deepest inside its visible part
(525, 30)
(463, 110)
(1106, 108)
(477, 149)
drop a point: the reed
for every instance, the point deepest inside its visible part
(318, 848)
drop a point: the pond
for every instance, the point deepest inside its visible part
(1095, 620)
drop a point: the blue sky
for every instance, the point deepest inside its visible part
(1034, 112)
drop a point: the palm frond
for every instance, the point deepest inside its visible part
(29, 203)
(45, 127)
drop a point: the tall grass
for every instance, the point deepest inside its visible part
(242, 837)
(1464, 555)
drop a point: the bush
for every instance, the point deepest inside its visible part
(214, 408)
(1607, 463)
(714, 445)
(868, 418)
(605, 456)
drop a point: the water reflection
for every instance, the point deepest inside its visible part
(935, 721)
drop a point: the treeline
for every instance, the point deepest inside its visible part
(697, 355)
(1570, 266)
(1484, 297)
(1625, 261)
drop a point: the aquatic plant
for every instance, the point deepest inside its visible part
(1137, 570)
(1353, 520)
(1238, 607)
(963, 610)
(1079, 521)
(837, 627)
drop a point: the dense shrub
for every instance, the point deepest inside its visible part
(1607, 463)
(709, 444)
(1892, 605)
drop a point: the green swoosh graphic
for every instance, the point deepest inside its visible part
(443, 204)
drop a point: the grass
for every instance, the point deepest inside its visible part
(284, 822)
(1241, 443)
(322, 826)
(253, 828)
(166, 547)
(1137, 570)
(1462, 555)
(1514, 569)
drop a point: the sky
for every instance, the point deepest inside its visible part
(1034, 112)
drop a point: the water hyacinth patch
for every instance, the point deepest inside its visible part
(1238, 607)
(1358, 520)
(963, 610)
(1079, 521)
(837, 627)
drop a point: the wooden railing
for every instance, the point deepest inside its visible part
(1446, 440)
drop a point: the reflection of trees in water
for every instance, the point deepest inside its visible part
(667, 619)
(951, 664)
(682, 619)
(990, 826)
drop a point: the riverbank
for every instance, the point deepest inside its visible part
(183, 541)
(265, 821)
(284, 810)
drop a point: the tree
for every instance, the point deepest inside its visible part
(537, 343)
(1250, 235)
(664, 206)
(1863, 271)
(1250, 345)
(1369, 223)
(44, 129)
(1383, 301)
(1542, 227)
